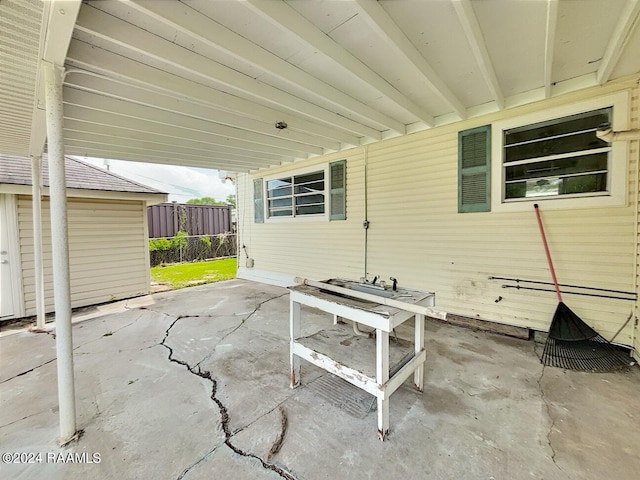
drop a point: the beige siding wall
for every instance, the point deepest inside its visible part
(284, 246)
(417, 235)
(108, 251)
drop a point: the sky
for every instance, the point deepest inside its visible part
(181, 183)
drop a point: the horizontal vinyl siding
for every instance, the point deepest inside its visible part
(284, 246)
(417, 235)
(107, 251)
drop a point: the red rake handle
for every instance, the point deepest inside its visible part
(546, 250)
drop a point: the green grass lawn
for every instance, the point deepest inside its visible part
(187, 274)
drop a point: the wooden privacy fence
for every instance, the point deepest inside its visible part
(167, 219)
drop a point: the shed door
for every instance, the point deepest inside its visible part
(6, 262)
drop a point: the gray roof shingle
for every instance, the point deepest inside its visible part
(80, 175)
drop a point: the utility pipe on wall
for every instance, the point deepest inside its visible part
(53, 78)
(365, 223)
(36, 200)
(609, 135)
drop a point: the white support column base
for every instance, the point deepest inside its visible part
(382, 377)
(418, 376)
(294, 333)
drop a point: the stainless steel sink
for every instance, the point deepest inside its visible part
(368, 288)
(372, 290)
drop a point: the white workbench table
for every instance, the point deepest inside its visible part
(349, 304)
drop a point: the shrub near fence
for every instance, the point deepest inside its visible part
(189, 248)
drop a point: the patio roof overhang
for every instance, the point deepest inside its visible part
(244, 85)
(208, 83)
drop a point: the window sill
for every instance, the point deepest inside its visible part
(303, 219)
(574, 202)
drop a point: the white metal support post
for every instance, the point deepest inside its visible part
(418, 375)
(36, 199)
(382, 377)
(53, 77)
(294, 333)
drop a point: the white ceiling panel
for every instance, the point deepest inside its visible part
(436, 35)
(326, 15)
(628, 63)
(580, 43)
(202, 82)
(514, 33)
(382, 58)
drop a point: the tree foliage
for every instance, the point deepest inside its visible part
(231, 200)
(205, 201)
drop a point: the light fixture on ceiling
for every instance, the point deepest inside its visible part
(281, 125)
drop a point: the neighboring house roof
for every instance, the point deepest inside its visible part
(79, 175)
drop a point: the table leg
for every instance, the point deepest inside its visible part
(294, 333)
(418, 376)
(382, 376)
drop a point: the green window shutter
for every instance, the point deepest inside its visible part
(338, 190)
(258, 201)
(474, 160)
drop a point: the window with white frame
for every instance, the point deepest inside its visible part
(558, 157)
(296, 195)
(306, 194)
(555, 155)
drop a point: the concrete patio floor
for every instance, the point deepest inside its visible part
(194, 384)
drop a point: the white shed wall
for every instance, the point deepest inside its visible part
(417, 235)
(108, 249)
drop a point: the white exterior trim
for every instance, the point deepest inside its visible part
(318, 217)
(619, 162)
(150, 198)
(265, 276)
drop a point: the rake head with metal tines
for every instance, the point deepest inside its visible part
(574, 345)
(592, 355)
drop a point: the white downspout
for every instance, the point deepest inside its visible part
(53, 78)
(36, 200)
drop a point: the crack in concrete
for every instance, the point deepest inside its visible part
(551, 417)
(548, 409)
(20, 419)
(196, 463)
(53, 335)
(29, 371)
(277, 445)
(295, 392)
(235, 329)
(224, 414)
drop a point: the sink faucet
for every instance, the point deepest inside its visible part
(395, 283)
